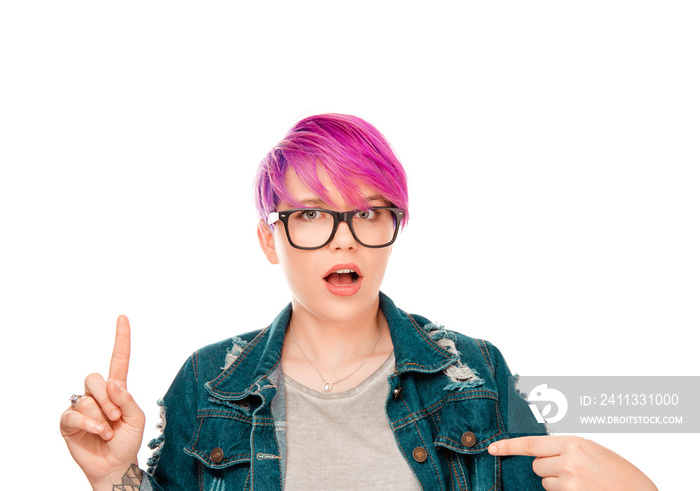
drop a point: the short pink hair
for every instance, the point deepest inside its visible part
(350, 150)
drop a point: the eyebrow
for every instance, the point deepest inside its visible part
(314, 202)
(376, 198)
(318, 202)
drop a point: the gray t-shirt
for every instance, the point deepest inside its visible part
(343, 441)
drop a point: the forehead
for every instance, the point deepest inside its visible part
(306, 196)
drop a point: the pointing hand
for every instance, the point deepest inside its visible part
(104, 428)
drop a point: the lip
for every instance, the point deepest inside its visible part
(352, 266)
(344, 290)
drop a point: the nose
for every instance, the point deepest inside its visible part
(343, 238)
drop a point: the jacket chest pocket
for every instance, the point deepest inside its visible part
(221, 444)
(464, 430)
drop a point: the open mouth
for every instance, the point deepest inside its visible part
(342, 277)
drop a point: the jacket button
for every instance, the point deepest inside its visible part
(419, 454)
(397, 393)
(216, 455)
(468, 439)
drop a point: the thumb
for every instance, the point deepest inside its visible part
(131, 412)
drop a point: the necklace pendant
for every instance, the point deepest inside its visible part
(327, 386)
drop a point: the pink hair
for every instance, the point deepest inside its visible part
(350, 150)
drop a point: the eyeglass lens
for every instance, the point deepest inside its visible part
(312, 228)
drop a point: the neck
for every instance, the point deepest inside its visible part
(332, 342)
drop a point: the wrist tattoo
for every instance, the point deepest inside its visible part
(131, 480)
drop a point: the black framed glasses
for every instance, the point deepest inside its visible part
(313, 228)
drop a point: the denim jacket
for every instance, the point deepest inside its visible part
(449, 397)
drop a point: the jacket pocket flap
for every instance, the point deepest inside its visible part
(469, 425)
(220, 441)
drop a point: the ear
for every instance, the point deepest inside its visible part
(266, 239)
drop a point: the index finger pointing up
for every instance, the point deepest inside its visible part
(119, 366)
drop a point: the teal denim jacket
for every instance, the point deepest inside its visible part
(448, 399)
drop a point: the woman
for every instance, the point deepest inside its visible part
(343, 390)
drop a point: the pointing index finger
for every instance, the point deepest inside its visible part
(534, 446)
(119, 365)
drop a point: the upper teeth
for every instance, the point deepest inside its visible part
(344, 271)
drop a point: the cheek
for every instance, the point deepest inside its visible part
(378, 267)
(284, 251)
(298, 267)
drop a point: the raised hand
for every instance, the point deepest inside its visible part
(104, 428)
(569, 462)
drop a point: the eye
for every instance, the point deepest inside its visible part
(310, 214)
(366, 215)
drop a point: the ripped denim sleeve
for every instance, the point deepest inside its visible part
(157, 443)
(461, 376)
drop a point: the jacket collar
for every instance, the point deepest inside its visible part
(414, 350)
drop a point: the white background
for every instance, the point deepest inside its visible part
(551, 147)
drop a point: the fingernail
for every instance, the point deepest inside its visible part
(493, 448)
(108, 434)
(114, 415)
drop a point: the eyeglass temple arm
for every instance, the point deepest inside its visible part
(273, 217)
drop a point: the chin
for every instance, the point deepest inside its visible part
(339, 308)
